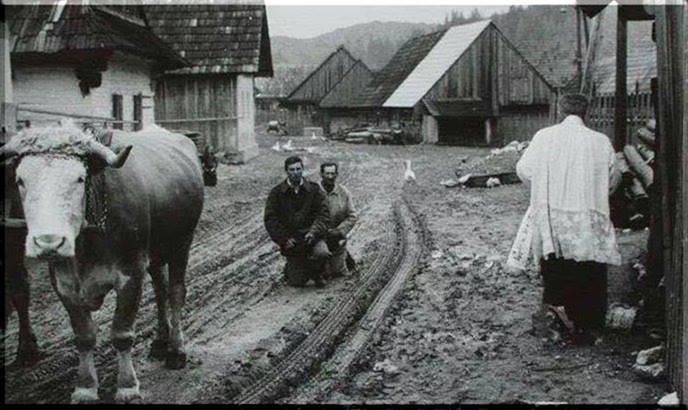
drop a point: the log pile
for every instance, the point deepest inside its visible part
(631, 181)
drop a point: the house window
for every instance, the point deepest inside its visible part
(117, 111)
(138, 112)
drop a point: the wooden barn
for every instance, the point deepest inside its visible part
(465, 85)
(229, 46)
(336, 105)
(303, 103)
(93, 63)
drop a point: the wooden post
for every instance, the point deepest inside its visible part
(683, 183)
(670, 70)
(620, 103)
(579, 51)
(8, 111)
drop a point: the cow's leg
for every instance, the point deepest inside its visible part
(85, 331)
(128, 299)
(176, 356)
(27, 350)
(160, 285)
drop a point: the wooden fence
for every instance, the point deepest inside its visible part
(601, 117)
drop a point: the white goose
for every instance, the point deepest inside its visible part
(409, 175)
(276, 147)
(287, 146)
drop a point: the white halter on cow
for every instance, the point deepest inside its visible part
(154, 201)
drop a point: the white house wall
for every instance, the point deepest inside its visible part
(246, 107)
(57, 88)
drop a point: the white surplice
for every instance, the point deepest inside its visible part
(568, 167)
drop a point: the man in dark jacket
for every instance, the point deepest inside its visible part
(297, 219)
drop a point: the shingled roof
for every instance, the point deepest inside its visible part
(42, 32)
(346, 90)
(395, 72)
(223, 38)
(641, 67)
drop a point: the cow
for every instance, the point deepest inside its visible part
(16, 278)
(149, 205)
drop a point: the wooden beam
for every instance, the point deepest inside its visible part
(670, 70)
(620, 106)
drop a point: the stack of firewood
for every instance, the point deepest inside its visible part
(632, 179)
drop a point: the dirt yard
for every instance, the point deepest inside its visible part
(457, 328)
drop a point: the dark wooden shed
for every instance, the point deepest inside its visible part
(303, 102)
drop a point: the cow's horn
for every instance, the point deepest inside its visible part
(107, 155)
(7, 151)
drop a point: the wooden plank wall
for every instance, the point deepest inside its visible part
(639, 109)
(471, 77)
(520, 125)
(321, 81)
(671, 158)
(201, 103)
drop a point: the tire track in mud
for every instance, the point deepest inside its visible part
(389, 271)
(338, 368)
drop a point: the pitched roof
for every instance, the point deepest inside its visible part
(299, 94)
(455, 41)
(222, 38)
(641, 67)
(346, 90)
(395, 72)
(42, 30)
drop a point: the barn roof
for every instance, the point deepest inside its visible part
(641, 67)
(222, 38)
(455, 41)
(296, 97)
(395, 72)
(343, 93)
(60, 30)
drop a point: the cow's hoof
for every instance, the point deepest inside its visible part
(175, 360)
(128, 394)
(82, 395)
(158, 349)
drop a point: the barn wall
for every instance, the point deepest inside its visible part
(517, 81)
(520, 123)
(57, 88)
(321, 81)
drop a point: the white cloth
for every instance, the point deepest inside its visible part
(568, 167)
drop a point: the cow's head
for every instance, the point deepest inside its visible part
(52, 166)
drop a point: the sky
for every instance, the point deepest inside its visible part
(311, 21)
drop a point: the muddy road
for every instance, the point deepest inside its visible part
(433, 317)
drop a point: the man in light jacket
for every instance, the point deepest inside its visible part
(342, 218)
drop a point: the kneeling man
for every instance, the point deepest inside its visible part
(297, 219)
(342, 219)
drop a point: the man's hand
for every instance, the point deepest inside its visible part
(309, 238)
(334, 233)
(289, 243)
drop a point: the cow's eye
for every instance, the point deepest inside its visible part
(80, 180)
(20, 182)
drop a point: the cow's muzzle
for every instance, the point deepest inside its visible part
(49, 245)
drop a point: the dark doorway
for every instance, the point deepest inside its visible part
(468, 131)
